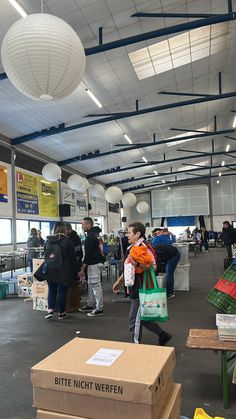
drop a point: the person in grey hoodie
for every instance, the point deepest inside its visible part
(32, 242)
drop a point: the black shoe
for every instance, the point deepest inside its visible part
(164, 338)
(95, 313)
(86, 308)
(49, 315)
(62, 316)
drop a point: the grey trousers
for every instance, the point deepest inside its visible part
(95, 294)
(136, 324)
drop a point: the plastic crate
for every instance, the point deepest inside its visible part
(3, 290)
(222, 302)
(230, 274)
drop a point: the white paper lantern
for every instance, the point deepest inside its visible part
(142, 207)
(84, 184)
(129, 200)
(43, 57)
(97, 191)
(51, 172)
(75, 182)
(113, 195)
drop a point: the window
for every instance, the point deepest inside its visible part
(22, 231)
(34, 224)
(5, 228)
(45, 229)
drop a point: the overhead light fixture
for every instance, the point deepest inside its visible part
(223, 163)
(234, 122)
(220, 174)
(19, 9)
(127, 138)
(227, 148)
(144, 159)
(155, 172)
(218, 181)
(93, 97)
(168, 188)
(163, 181)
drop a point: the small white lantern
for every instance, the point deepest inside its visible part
(75, 182)
(84, 185)
(113, 195)
(97, 191)
(51, 172)
(43, 57)
(129, 200)
(142, 207)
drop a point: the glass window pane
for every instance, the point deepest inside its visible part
(22, 231)
(45, 229)
(78, 229)
(35, 224)
(5, 228)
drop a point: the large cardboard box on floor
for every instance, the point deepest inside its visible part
(131, 381)
(170, 410)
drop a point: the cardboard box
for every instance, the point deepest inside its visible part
(170, 410)
(37, 263)
(112, 370)
(40, 289)
(40, 303)
(24, 291)
(24, 280)
(98, 407)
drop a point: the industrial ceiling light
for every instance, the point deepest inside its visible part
(128, 139)
(18, 8)
(163, 181)
(144, 159)
(218, 181)
(93, 97)
(220, 174)
(234, 122)
(168, 188)
(227, 148)
(223, 163)
(43, 57)
(154, 171)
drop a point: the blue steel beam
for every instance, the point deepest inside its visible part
(164, 92)
(57, 130)
(135, 147)
(160, 175)
(175, 15)
(152, 163)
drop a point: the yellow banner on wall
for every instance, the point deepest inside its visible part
(48, 198)
(3, 184)
(26, 183)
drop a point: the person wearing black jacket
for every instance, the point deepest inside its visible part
(60, 280)
(32, 242)
(229, 237)
(93, 261)
(168, 255)
(77, 243)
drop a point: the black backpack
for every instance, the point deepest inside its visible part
(53, 255)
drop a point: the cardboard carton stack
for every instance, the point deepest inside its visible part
(88, 378)
(24, 285)
(39, 289)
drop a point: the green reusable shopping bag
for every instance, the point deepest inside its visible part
(153, 301)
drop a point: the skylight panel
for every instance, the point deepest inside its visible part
(180, 50)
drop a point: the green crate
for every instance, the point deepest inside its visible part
(222, 302)
(230, 274)
(3, 290)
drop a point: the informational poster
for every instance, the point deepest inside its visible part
(78, 203)
(48, 198)
(98, 206)
(27, 193)
(3, 184)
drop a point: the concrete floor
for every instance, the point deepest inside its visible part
(26, 338)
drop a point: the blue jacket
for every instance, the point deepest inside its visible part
(163, 239)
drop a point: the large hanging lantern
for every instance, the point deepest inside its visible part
(129, 200)
(74, 182)
(51, 172)
(142, 207)
(84, 185)
(113, 195)
(43, 57)
(97, 191)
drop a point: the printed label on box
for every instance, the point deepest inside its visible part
(104, 357)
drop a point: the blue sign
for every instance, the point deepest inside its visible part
(27, 204)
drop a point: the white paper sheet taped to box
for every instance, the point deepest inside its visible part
(105, 357)
(181, 278)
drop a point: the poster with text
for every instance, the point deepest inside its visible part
(98, 206)
(48, 198)
(26, 193)
(3, 184)
(77, 202)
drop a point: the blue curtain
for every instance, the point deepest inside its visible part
(181, 221)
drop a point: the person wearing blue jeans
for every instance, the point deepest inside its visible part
(57, 294)
(170, 268)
